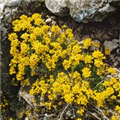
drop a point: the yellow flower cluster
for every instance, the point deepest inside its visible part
(117, 108)
(57, 68)
(111, 70)
(10, 118)
(86, 72)
(3, 104)
(87, 43)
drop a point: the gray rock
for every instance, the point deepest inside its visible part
(118, 51)
(24, 93)
(26, 118)
(56, 6)
(83, 10)
(48, 20)
(110, 45)
(115, 41)
(112, 57)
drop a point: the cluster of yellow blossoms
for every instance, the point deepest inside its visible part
(58, 68)
(3, 104)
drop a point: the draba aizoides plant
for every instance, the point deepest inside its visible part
(58, 69)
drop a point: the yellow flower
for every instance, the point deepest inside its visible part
(81, 110)
(47, 40)
(110, 91)
(33, 60)
(23, 17)
(38, 21)
(98, 55)
(64, 26)
(35, 16)
(55, 30)
(49, 105)
(25, 36)
(111, 70)
(88, 59)
(107, 51)
(116, 86)
(66, 64)
(69, 33)
(12, 70)
(86, 72)
(99, 72)
(69, 97)
(10, 118)
(19, 76)
(38, 47)
(106, 83)
(28, 113)
(15, 22)
(96, 44)
(78, 119)
(24, 47)
(87, 43)
(17, 28)
(12, 36)
(98, 63)
(76, 88)
(114, 117)
(113, 97)
(112, 81)
(119, 94)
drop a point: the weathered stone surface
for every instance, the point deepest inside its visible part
(83, 10)
(24, 93)
(57, 6)
(110, 45)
